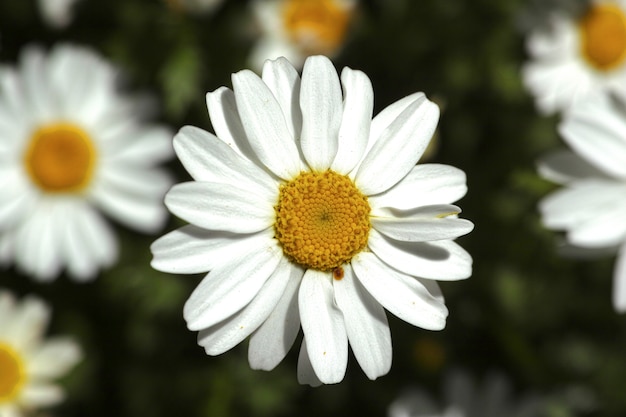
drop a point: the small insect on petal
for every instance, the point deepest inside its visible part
(338, 273)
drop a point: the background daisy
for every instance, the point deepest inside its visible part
(463, 397)
(28, 362)
(589, 207)
(295, 29)
(577, 55)
(71, 146)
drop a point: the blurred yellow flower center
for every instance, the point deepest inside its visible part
(11, 373)
(322, 220)
(603, 36)
(60, 158)
(318, 26)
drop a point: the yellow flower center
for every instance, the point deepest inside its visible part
(12, 374)
(322, 220)
(318, 26)
(603, 36)
(60, 158)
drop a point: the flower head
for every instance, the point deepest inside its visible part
(578, 56)
(28, 364)
(296, 29)
(590, 206)
(70, 145)
(307, 211)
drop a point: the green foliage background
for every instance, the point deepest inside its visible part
(545, 321)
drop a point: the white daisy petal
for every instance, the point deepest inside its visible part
(54, 358)
(41, 395)
(191, 249)
(230, 287)
(321, 104)
(602, 229)
(36, 251)
(399, 147)
(602, 144)
(424, 224)
(323, 326)
(425, 185)
(619, 281)
(433, 288)
(402, 295)
(568, 207)
(355, 124)
(28, 323)
(16, 198)
(226, 121)
(564, 167)
(219, 207)
(133, 197)
(83, 94)
(271, 342)
(148, 147)
(135, 182)
(443, 259)
(551, 84)
(35, 83)
(13, 96)
(385, 118)
(207, 158)
(366, 325)
(225, 335)
(88, 242)
(306, 373)
(284, 82)
(265, 125)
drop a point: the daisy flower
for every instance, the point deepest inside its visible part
(465, 398)
(28, 363)
(57, 13)
(70, 146)
(295, 29)
(590, 206)
(578, 56)
(307, 211)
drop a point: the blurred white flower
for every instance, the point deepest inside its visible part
(57, 13)
(463, 398)
(574, 57)
(591, 205)
(295, 29)
(195, 6)
(69, 145)
(28, 363)
(306, 210)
